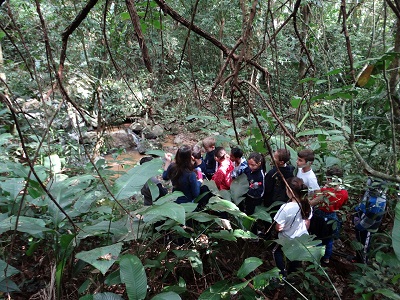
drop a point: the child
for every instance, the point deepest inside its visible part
(369, 215)
(275, 188)
(292, 220)
(211, 165)
(305, 159)
(223, 176)
(181, 174)
(239, 162)
(199, 165)
(325, 223)
(256, 176)
(145, 191)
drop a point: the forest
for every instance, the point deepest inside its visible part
(89, 87)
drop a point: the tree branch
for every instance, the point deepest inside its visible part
(136, 26)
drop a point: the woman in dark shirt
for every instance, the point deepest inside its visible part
(181, 174)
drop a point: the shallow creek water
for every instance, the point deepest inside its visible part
(131, 157)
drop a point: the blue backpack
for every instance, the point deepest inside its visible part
(370, 211)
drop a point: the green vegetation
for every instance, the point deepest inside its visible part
(261, 74)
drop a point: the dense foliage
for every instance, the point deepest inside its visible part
(261, 74)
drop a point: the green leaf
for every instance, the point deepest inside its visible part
(107, 296)
(125, 16)
(248, 266)
(101, 258)
(262, 280)
(302, 248)
(295, 102)
(6, 270)
(131, 182)
(223, 235)
(8, 286)
(25, 224)
(170, 210)
(216, 291)
(134, 276)
(312, 132)
(53, 163)
(388, 293)
(334, 72)
(395, 231)
(13, 186)
(308, 79)
(167, 296)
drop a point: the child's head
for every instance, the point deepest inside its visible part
(334, 175)
(281, 157)
(196, 152)
(219, 153)
(183, 157)
(300, 192)
(256, 161)
(236, 154)
(209, 143)
(305, 158)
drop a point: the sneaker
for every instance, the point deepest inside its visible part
(325, 260)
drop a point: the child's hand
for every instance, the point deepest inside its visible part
(168, 157)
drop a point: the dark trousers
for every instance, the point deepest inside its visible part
(285, 269)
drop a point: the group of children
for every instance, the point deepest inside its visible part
(297, 203)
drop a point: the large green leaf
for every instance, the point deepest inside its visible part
(312, 132)
(302, 248)
(13, 186)
(216, 291)
(168, 209)
(103, 296)
(116, 228)
(239, 187)
(167, 296)
(134, 276)
(131, 182)
(25, 224)
(249, 265)
(6, 271)
(101, 258)
(262, 280)
(395, 232)
(223, 235)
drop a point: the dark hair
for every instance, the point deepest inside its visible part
(258, 158)
(183, 163)
(220, 152)
(145, 159)
(307, 154)
(196, 152)
(283, 155)
(334, 171)
(300, 191)
(237, 152)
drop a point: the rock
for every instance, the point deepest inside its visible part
(143, 146)
(157, 130)
(150, 135)
(138, 127)
(178, 140)
(120, 139)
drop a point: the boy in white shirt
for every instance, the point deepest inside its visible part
(305, 159)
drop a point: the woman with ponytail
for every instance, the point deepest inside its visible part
(292, 220)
